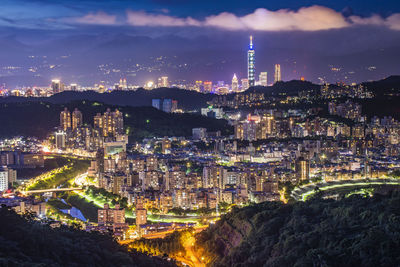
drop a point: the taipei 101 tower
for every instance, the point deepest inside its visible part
(251, 63)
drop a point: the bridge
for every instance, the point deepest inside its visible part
(304, 192)
(40, 191)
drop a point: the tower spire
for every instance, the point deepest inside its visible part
(251, 63)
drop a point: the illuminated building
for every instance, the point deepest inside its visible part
(122, 84)
(100, 165)
(73, 87)
(239, 131)
(207, 86)
(57, 86)
(235, 84)
(163, 82)
(166, 146)
(222, 90)
(110, 123)
(60, 140)
(278, 76)
(39, 209)
(212, 112)
(76, 119)
(199, 133)
(263, 79)
(141, 212)
(198, 86)
(3, 180)
(302, 169)
(167, 105)
(174, 105)
(109, 217)
(245, 84)
(251, 63)
(65, 119)
(267, 125)
(156, 103)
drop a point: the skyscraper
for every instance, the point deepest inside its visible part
(263, 78)
(235, 84)
(65, 119)
(251, 63)
(76, 119)
(278, 77)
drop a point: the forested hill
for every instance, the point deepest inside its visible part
(40, 118)
(29, 243)
(355, 231)
(187, 100)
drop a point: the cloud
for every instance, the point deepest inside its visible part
(392, 22)
(99, 18)
(141, 18)
(313, 18)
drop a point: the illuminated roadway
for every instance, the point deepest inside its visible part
(191, 258)
(51, 190)
(304, 192)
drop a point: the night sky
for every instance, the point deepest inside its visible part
(88, 41)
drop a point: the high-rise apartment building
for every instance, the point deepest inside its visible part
(251, 63)
(141, 212)
(61, 140)
(263, 79)
(3, 180)
(65, 120)
(278, 76)
(109, 217)
(110, 123)
(76, 119)
(302, 169)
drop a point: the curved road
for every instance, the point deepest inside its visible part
(304, 192)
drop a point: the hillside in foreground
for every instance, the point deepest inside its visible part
(354, 231)
(28, 243)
